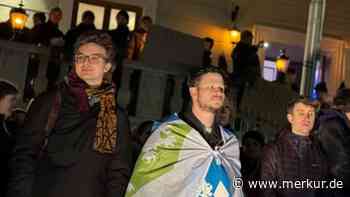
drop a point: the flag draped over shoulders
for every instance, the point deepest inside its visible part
(176, 161)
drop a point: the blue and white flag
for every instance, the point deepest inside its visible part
(176, 161)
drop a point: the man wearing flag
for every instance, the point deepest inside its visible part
(190, 154)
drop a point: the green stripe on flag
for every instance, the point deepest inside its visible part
(160, 160)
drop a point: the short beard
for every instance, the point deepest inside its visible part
(207, 108)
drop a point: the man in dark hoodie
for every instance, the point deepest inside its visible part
(334, 134)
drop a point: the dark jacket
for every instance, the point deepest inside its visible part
(69, 167)
(36, 33)
(120, 36)
(333, 131)
(246, 64)
(292, 158)
(6, 143)
(46, 32)
(206, 58)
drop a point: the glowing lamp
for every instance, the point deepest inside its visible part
(282, 62)
(235, 35)
(18, 18)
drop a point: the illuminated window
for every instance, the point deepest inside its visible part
(269, 70)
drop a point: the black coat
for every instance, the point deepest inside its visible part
(45, 32)
(293, 158)
(246, 65)
(333, 131)
(70, 167)
(6, 143)
(120, 36)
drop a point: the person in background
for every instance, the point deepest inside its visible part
(87, 24)
(226, 114)
(222, 63)
(140, 136)
(291, 79)
(333, 132)
(121, 37)
(253, 143)
(8, 94)
(52, 36)
(138, 38)
(208, 46)
(246, 65)
(39, 20)
(322, 95)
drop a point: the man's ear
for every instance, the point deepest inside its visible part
(290, 118)
(107, 67)
(193, 92)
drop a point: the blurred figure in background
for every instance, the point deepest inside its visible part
(8, 94)
(139, 136)
(208, 45)
(322, 95)
(252, 147)
(226, 114)
(39, 20)
(246, 65)
(138, 38)
(333, 131)
(87, 24)
(121, 37)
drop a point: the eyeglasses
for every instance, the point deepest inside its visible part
(213, 88)
(93, 59)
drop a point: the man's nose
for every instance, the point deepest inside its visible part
(218, 89)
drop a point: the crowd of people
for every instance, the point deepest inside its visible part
(76, 141)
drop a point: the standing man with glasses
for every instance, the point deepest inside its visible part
(190, 154)
(88, 148)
